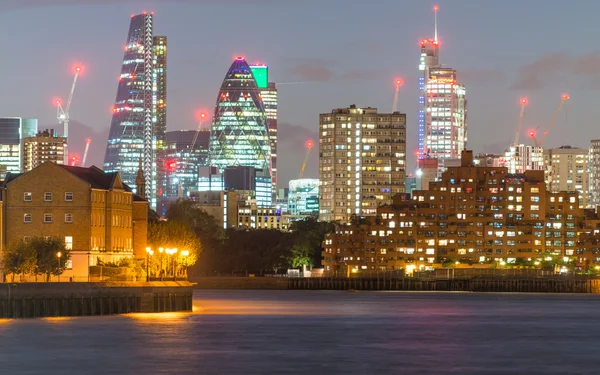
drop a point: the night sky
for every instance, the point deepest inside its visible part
(343, 51)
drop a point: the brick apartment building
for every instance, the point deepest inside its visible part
(474, 215)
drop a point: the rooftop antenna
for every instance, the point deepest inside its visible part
(435, 10)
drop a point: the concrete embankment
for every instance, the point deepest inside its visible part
(474, 284)
(34, 300)
(274, 283)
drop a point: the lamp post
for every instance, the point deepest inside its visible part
(58, 255)
(185, 254)
(148, 253)
(161, 250)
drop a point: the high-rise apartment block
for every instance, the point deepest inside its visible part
(594, 173)
(473, 215)
(138, 126)
(13, 131)
(521, 158)
(159, 118)
(45, 146)
(362, 161)
(567, 170)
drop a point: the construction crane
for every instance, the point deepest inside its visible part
(85, 153)
(74, 161)
(62, 114)
(523, 101)
(399, 83)
(563, 99)
(198, 129)
(309, 146)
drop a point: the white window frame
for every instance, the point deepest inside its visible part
(47, 216)
(69, 215)
(66, 199)
(46, 196)
(27, 194)
(25, 216)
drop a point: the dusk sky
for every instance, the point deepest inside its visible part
(342, 51)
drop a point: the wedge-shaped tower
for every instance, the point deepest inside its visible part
(239, 134)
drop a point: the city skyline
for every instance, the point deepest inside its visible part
(503, 68)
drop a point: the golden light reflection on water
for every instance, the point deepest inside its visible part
(241, 307)
(164, 317)
(56, 319)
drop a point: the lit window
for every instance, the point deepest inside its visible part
(68, 197)
(27, 197)
(47, 218)
(27, 218)
(69, 242)
(68, 218)
(572, 199)
(535, 207)
(47, 197)
(535, 190)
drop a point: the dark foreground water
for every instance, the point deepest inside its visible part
(320, 332)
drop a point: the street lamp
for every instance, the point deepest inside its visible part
(185, 254)
(58, 255)
(148, 253)
(161, 250)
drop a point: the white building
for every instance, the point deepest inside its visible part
(303, 197)
(524, 158)
(594, 173)
(567, 170)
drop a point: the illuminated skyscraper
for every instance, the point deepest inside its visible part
(13, 131)
(138, 126)
(239, 133)
(268, 93)
(442, 117)
(159, 118)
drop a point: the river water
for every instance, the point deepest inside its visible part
(320, 332)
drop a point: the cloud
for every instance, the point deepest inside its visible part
(535, 76)
(316, 71)
(479, 76)
(322, 71)
(6, 5)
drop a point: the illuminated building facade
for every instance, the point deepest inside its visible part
(362, 161)
(473, 215)
(159, 118)
(429, 59)
(238, 178)
(446, 115)
(182, 165)
(303, 197)
(45, 146)
(594, 173)
(138, 124)
(567, 170)
(524, 158)
(239, 133)
(13, 131)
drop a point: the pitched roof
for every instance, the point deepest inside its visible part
(93, 175)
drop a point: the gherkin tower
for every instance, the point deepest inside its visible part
(239, 134)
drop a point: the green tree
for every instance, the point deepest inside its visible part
(171, 235)
(19, 258)
(302, 253)
(309, 235)
(47, 251)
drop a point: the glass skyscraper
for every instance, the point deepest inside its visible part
(138, 124)
(239, 134)
(13, 131)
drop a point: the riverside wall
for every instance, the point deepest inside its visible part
(472, 284)
(36, 300)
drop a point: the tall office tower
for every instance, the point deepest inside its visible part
(303, 197)
(239, 135)
(442, 116)
(13, 131)
(567, 170)
(44, 146)
(268, 94)
(446, 115)
(131, 135)
(594, 173)
(159, 119)
(182, 164)
(524, 158)
(362, 159)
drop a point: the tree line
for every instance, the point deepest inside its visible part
(256, 251)
(39, 256)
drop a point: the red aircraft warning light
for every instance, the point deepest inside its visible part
(309, 144)
(171, 165)
(399, 82)
(524, 101)
(566, 97)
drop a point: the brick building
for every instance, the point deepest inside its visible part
(474, 215)
(97, 215)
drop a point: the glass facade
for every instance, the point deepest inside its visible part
(429, 58)
(239, 133)
(13, 131)
(303, 198)
(131, 135)
(159, 118)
